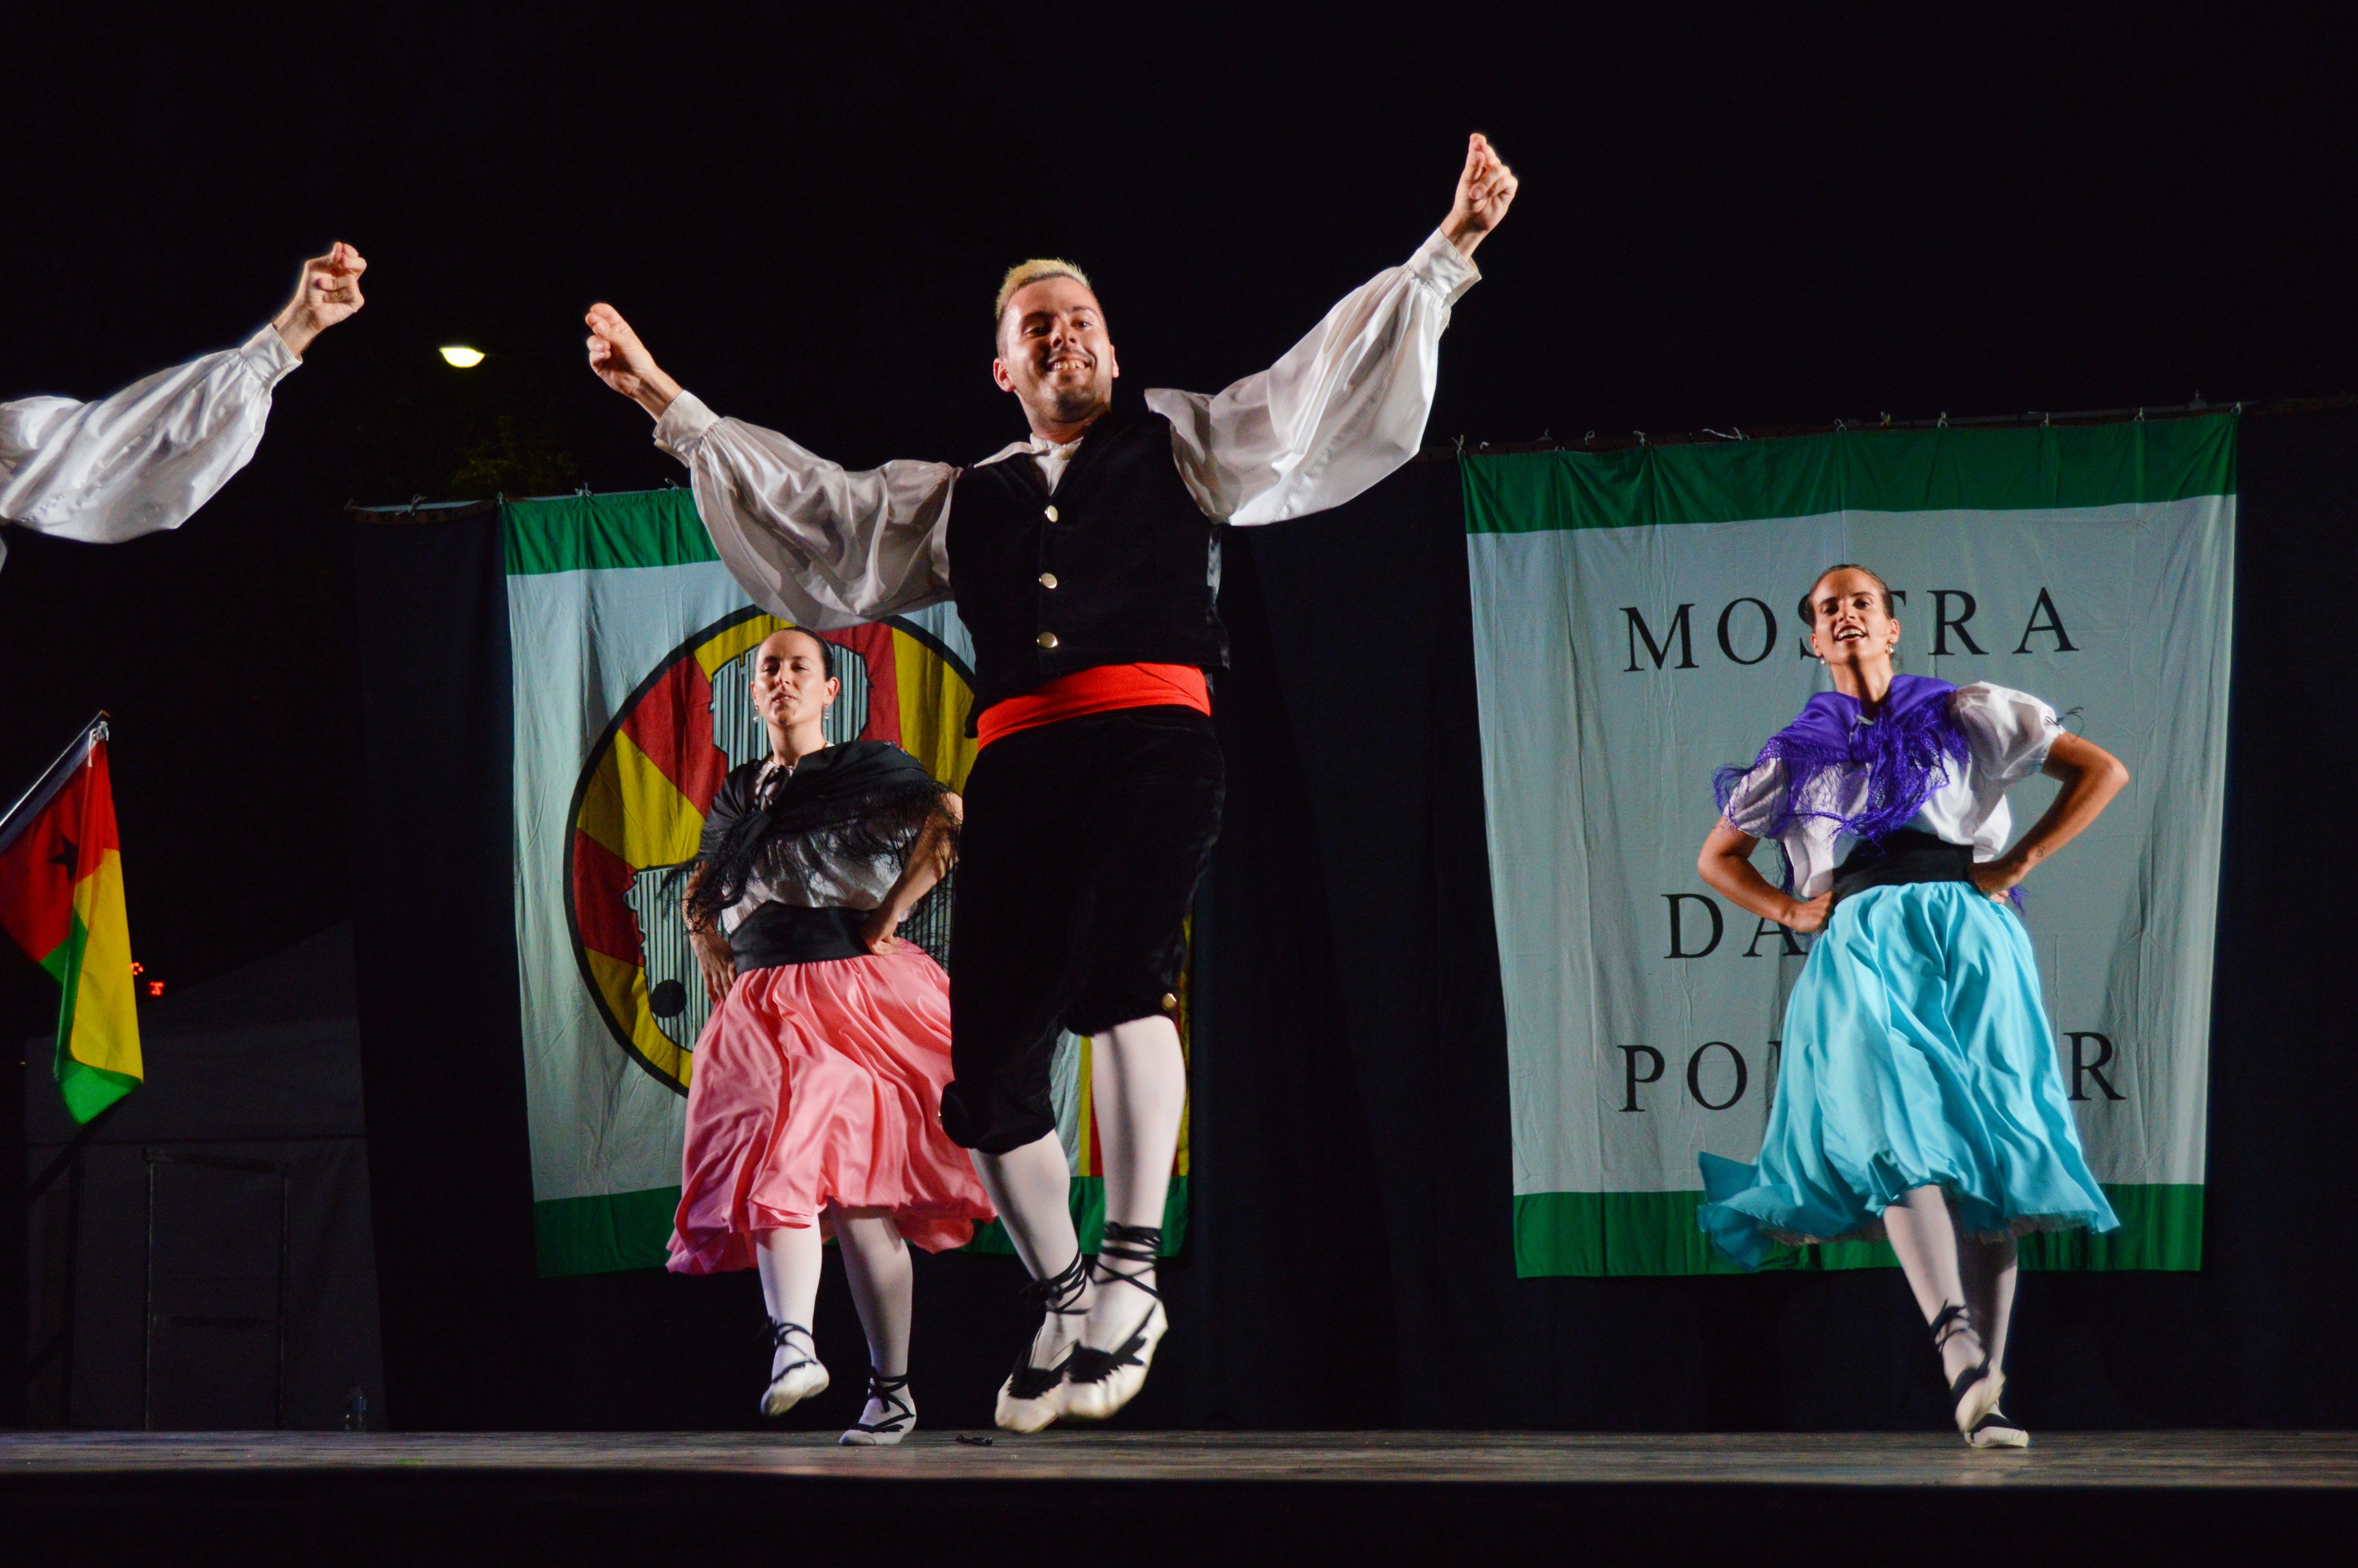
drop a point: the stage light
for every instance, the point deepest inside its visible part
(154, 988)
(462, 357)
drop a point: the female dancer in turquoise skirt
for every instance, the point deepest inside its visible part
(1918, 1093)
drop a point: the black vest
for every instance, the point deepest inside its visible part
(1119, 566)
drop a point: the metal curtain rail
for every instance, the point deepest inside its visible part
(1596, 441)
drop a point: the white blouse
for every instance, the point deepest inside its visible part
(1344, 408)
(145, 458)
(2008, 734)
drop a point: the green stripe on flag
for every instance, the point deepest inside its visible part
(86, 1090)
(604, 1232)
(2031, 468)
(1608, 1233)
(582, 533)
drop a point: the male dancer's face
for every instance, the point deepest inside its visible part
(1055, 356)
(791, 685)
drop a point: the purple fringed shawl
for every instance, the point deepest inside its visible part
(1908, 751)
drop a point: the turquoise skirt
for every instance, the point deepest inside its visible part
(1917, 1052)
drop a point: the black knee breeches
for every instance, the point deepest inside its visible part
(1083, 843)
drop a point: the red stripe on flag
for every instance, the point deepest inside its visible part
(602, 910)
(60, 846)
(873, 645)
(673, 725)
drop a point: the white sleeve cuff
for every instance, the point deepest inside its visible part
(683, 426)
(267, 356)
(1442, 265)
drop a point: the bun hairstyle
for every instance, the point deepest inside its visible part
(1024, 274)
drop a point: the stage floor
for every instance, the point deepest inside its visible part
(2240, 1460)
(1221, 1499)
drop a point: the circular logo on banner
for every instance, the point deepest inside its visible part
(639, 809)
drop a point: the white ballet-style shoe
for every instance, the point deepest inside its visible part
(1996, 1430)
(1033, 1396)
(890, 1414)
(800, 1378)
(1099, 1383)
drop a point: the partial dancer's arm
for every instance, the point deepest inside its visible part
(1727, 865)
(928, 863)
(2091, 777)
(715, 959)
(146, 457)
(806, 538)
(1348, 404)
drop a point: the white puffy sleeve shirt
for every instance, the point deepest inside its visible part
(2008, 734)
(1344, 406)
(145, 458)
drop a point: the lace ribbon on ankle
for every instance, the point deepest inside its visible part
(1059, 1294)
(887, 1391)
(778, 1333)
(1139, 1245)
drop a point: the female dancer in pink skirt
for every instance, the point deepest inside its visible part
(813, 1110)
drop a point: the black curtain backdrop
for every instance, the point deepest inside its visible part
(1350, 1258)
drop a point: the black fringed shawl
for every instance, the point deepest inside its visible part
(865, 798)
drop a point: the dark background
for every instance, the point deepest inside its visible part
(1781, 219)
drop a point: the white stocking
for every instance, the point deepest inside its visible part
(789, 1259)
(876, 1264)
(1925, 1237)
(1032, 1188)
(1138, 1086)
(1988, 1272)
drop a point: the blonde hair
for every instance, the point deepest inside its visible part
(1024, 274)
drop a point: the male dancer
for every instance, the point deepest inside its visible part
(1086, 563)
(146, 457)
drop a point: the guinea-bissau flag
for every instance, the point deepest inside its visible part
(61, 900)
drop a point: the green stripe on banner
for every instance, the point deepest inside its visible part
(1088, 1218)
(582, 533)
(2029, 468)
(1605, 1234)
(613, 1231)
(603, 1233)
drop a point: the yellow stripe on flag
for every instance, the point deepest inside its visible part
(934, 701)
(105, 1007)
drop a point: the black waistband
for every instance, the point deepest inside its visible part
(1907, 856)
(780, 934)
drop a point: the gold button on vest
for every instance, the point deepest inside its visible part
(1048, 579)
(1051, 514)
(1169, 1002)
(1046, 639)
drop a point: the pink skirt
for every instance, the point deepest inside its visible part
(818, 1084)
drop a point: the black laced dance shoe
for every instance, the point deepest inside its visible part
(1099, 1383)
(1031, 1396)
(1972, 1393)
(800, 1378)
(896, 1418)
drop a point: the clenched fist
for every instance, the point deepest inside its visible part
(623, 362)
(1484, 191)
(328, 292)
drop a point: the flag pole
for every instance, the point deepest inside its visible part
(52, 779)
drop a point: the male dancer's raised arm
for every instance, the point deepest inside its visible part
(1348, 404)
(146, 457)
(827, 547)
(813, 542)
